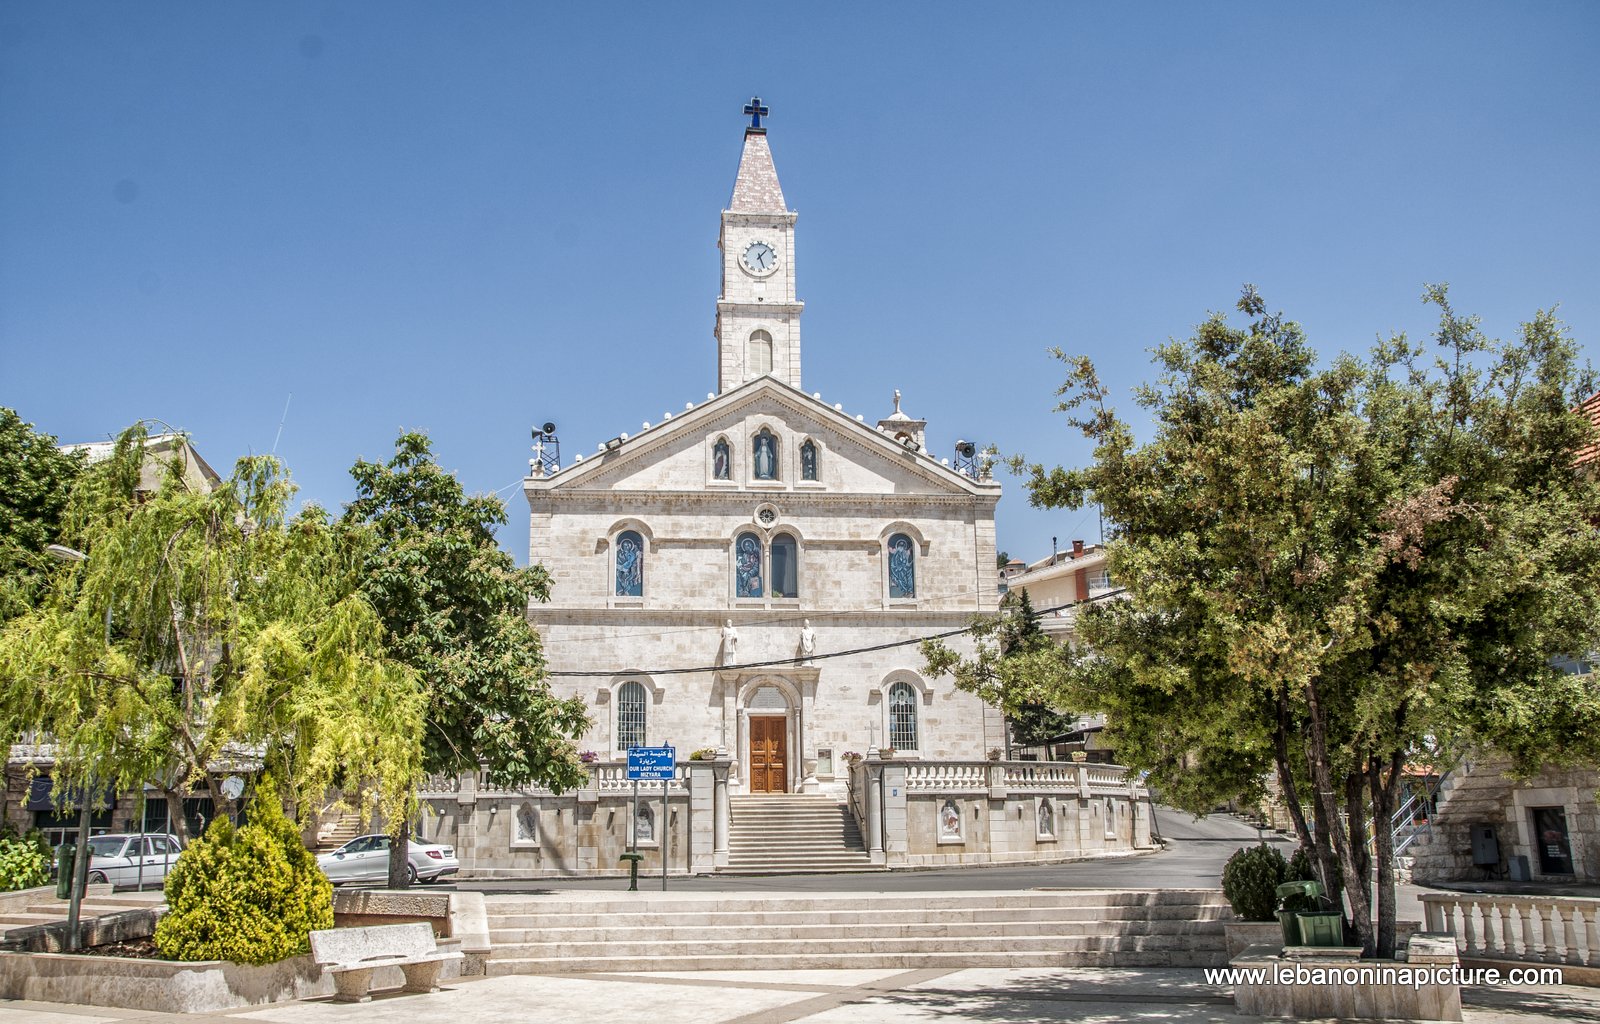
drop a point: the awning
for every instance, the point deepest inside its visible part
(39, 796)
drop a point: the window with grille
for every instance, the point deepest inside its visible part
(903, 717)
(630, 715)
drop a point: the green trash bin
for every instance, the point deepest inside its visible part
(1300, 893)
(65, 862)
(1321, 928)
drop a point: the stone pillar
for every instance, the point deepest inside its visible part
(895, 847)
(466, 822)
(875, 815)
(700, 777)
(722, 812)
(808, 748)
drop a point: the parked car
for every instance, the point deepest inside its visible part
(366, 859)
(129, 859)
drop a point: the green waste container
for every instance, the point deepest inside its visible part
(65, 862)
(1289, 918)
(1321, 928)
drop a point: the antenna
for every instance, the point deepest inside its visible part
(285, 416)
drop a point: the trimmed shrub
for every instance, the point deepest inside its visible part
(1250, 879)
(252, 895)
(24, 860)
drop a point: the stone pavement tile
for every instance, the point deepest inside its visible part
(1577, 1004)
(812, 979)
(15, 1011)
(517, 999)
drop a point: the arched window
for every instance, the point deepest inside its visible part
(808, 461)
(721, 468)
(758, 354)
(631, 701)
(630, 564)
(747, 566)
(903, 716)
(902, 567)
(785, 566)
(764, 453)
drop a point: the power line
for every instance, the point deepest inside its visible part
(602, 674)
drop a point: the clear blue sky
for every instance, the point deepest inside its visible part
(470, 218)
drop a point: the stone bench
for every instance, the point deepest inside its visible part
(352, 954)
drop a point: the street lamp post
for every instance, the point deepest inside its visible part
(80, 863)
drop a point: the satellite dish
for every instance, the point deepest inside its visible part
(549, 428)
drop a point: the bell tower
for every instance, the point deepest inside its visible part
(758, 316)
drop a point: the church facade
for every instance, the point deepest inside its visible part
(750, 575)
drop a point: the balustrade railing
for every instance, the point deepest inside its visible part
(1539, 929)
(948, 777)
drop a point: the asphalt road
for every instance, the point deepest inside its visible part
(1193, 858)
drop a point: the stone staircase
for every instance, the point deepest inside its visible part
(593, 932)
(341, 830)
(23, 915)
(793, 833)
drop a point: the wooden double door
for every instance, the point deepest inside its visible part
(769, 754)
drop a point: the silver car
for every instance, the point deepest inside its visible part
(366, 859)
(124, 859)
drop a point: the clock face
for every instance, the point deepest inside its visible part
(759, 258)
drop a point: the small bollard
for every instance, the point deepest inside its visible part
(633, 860)
(64, 864)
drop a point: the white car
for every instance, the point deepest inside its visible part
(366, 859)
(128, 859)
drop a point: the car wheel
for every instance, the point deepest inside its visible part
(411, 874)
(97, 878)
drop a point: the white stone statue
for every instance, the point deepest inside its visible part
(808, 640)
(730, 644)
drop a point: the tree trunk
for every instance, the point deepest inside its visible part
(1328, 807)
(400, 856)
(177, 824)
(1286, 783)
(1384, 792)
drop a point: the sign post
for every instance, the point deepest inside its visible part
(650, 763)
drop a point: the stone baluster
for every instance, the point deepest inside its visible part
(1469, 929)
(1530, 930)
(1552, 950)
(1569, 934)
(1433, 915)
(1591, 928)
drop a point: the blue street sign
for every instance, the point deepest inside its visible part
(652, 763)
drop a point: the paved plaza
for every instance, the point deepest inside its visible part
(815, 997)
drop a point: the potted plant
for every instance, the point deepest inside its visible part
(996, 754)
(1250, 881)
(588, 756)
(852, 757)
(703, 754)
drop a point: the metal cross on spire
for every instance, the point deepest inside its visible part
(755, 111)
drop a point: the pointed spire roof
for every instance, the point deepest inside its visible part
(756, 189)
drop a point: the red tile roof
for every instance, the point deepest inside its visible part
(1590, 407)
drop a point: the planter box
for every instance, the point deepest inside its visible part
(1319, 982)
(1244, 934)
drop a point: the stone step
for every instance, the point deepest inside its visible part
(916, 903)
(904, 930)
(808, 961)
(1107, 916)
(714, 945)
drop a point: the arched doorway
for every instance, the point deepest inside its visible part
(770, 747)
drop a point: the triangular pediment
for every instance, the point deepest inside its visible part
(677, 455)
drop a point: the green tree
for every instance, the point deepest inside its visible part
(1333, 569)
(206, 631)
(35, 479)
(1012, 669)
(456, 609)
